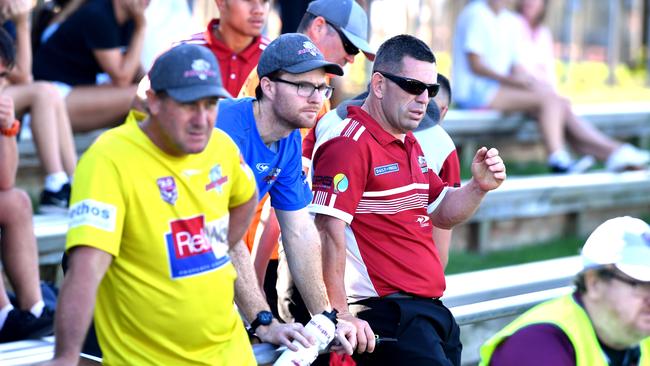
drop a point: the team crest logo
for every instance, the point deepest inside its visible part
(310, 48)
(272, 176)
(422, 162)
(216, 179)
(201, 69)
(168, 190)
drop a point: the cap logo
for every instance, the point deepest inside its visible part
(308, 47)
(646, 238)
(200, 69)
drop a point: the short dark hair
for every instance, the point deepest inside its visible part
(603, 273)
(258, 89)
(7, 49)
(391, 53)
(305, 22)
(445, 87)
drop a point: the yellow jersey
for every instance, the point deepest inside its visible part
(167, 297)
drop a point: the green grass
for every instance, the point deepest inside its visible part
(460, 262)
(464, 261)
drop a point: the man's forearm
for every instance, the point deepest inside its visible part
(77, 300)
(303, 251)
(458, 205)
(248, 295)
(332, 234)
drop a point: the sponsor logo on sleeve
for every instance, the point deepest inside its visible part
(386, 169)
(341, 183)
(93, 213)
(321, 182)
(168, 189)
(217, 180)
(194, 247)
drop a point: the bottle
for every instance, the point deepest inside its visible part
(321, 327)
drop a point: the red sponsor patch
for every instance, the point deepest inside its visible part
(188, 237)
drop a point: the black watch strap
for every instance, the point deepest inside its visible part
(264, 317)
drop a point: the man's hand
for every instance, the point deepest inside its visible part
(344, 331)
(7, 116)
(488, 169)
(284, 334)
(363, 339)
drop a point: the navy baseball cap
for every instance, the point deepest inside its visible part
(294, 53)
(349, 18)
(187, 73)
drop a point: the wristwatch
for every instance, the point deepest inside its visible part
(264, 317)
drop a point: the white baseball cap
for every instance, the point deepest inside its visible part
(623, 242)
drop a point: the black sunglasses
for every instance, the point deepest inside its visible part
(412, 86)
(349, 48)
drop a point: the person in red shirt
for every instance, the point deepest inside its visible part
(376, 201)
(236, 39)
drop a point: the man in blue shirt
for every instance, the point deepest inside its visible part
(290, 94)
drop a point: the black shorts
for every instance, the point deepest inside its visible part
(426, 332)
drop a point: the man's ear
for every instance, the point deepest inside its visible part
(268, 89)
(317, 29)
(443, 111)
(377, 85)
(153, 102)
(221, 4)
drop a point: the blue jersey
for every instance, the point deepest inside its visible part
(278, 171)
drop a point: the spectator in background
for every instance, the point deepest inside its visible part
(162, 259)
(17, 242)
(101, 36)
(376, 202)
(49, 120)
(236, 39)
(488, 72)
(605, 321)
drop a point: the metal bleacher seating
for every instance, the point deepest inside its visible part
(469, 128)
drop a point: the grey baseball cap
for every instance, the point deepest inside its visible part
(349, 18)
(294, 53)
(187, 73)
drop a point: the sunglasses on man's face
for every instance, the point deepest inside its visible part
(412, 86)
(349, 48)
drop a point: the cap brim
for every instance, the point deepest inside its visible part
(195, 92)
(306, 66)
(639, 272)
(342, 108)
(361, 44)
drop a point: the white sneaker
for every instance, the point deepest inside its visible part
(582, 165)
(627, 157)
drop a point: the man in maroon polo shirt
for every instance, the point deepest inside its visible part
(235, 39)
(376, 202)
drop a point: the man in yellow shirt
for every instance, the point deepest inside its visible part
(157, 213)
